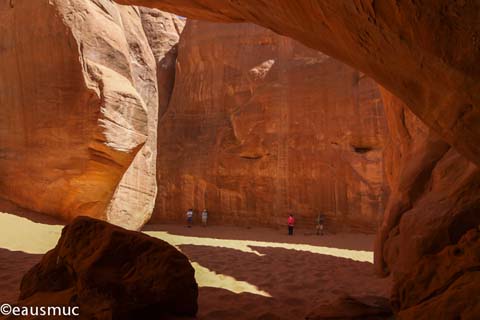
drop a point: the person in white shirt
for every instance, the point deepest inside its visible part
(204, 217)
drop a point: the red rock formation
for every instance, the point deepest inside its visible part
(435, 192)
(133, 201)
(112, 273)
(426, 53)
(78, 99)
(259, 125)
(445, 285)
(434, 200)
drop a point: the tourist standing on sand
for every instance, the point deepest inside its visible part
(189, 218)
(319, 224)
(291, 224)
(204, 217)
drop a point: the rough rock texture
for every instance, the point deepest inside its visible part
(112, 273)
(434, 200)
(445, 285)
(435, 192)
(425, 52)
(78, 97)
(259, 125)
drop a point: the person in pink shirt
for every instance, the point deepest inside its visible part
(291, 224)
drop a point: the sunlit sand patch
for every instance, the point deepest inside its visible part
(245, 246)
(177, 240)
(21, 234)
(208, 278)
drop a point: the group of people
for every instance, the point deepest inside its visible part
(319, 223)
(204, 216)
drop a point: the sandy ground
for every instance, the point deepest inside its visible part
(242, 273)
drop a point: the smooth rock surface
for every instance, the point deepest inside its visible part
(154, 69)
(112, 273)
(259, 125)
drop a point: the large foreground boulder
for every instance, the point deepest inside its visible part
(112, 273)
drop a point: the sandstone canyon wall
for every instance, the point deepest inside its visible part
(78, 109)
(424, 52)
(259, 125)
(251, 136)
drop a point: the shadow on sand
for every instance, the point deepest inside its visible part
(297, 281)
(13, 265)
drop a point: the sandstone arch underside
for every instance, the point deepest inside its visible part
(425, 53)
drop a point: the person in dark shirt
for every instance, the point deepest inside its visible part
(319, 224)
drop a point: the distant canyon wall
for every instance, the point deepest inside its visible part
(258, 126)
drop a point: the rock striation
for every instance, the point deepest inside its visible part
(79, 109)
(259, 125)
(112, 273)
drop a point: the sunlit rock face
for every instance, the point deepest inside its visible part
(163, 33)
(259, 125)
(79, 107)
(152, 70)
